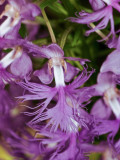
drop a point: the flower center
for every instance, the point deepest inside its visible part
(12, 19)
(57, 64)
(10, 57)
(111, 99)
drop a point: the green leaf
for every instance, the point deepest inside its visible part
(58, 8)
(68, 6)
(7, 50)
(64, 37)
(23, 31)
(46, 3)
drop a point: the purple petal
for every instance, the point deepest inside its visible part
(82, 61)
(81, 79)
(53, 50)
(13, 33)
(97, 4)
(10, 43)
(30, 11)
(85, 94)
(44, 75)
(22, 66)
(106, 126)
(71, 72)
(50, 51)
(115, 4)
(32, 30)
(112, 63)
(5, 76)
(117, 147)
(113, 43)
(104, 82)
(100, 110)
(102, 14)
(19, 3)
(59, 112)
(22, 145)
(27, 10)
(87, 18)
(6, 103)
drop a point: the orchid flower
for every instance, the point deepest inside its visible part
(16, 12)
(19, 62)
(107, 109)
(103, 10)
(65, 96)
(60, 145)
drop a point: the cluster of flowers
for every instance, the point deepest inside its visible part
(64, 130)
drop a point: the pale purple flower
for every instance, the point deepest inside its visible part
(67, 98)
(106, 87)
(18, 60)
(107, 109)
(59, 145)
(66, 106)
(103, 10)
(99, 4)
(16, 12)
(107, 84)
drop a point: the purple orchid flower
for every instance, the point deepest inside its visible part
(65, 96)
(107, 109)
(60, 145)
(23, 147)
(109, 77)
(103, 9)
(19, 62)
(106, 87)
(107, 81)
(5, 76)
(16, 12)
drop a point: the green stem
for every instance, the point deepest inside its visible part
(49, 26)
(64, 37)
(101, 34)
